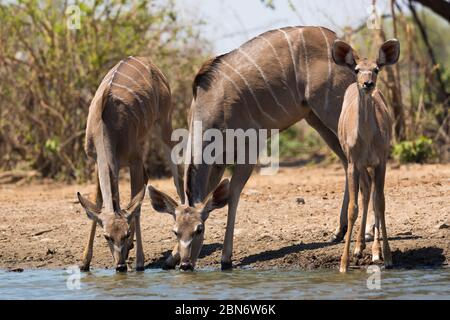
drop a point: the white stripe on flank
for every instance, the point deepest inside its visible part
(305, 52)
(327, 92)
(236, 87)
(264, 78)
(139, 71)
(134, 81)
(293, 61)
(151, 75)
(251, 91)
(129, 90)
(185, 244)
(139, 61)
(129, 78)
(114, 73)
(281, 65)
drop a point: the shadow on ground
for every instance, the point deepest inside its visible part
(207, 250)
(281, 252)
(422, 257)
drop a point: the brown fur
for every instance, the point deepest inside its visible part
(132, 97)
(272, 81)
(364, 133)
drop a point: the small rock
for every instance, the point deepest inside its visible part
(16, 270)
(50, 251)
(444, 226)
(407, 233)
(250, 192)
(300, 201)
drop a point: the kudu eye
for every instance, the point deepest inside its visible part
(356, 70)
(199, 229)
(175, 233)
(108, 238)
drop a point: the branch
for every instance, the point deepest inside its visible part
(440, 7)
(431, 54)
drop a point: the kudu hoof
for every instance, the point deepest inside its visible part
(226, 265)
(338, 236)
(140, 269)
(84, 268)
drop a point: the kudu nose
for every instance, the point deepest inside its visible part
(186, 266)
(121, 268)
(369, 84)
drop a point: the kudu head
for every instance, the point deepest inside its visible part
(116, 226)
(189, 225)
(365, 70)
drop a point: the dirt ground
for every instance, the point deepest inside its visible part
(43, 226)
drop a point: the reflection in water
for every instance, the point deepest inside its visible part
(238, 284)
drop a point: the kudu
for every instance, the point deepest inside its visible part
(271, 82)
(364, 132)
(131, 98)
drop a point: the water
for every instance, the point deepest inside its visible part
(237, 284)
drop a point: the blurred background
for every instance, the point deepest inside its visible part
(54, 53)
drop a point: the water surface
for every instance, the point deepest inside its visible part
(237, 284)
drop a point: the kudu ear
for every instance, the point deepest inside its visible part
(161, 202)
(92, 210)
(135, 204)
(343, 54)
(216, 199)
(389, 53)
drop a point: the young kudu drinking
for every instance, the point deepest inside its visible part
(271, 82)
(132, 97)
(364, 132)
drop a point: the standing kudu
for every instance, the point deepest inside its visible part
(364, 132)
(271, 82)
(132, 97)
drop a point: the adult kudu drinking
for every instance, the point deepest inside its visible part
(271, 82)
(131, 98)
(364, 132)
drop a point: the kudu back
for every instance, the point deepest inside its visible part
(271, 82)
(131, 98)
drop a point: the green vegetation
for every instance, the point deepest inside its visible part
(419, 150)
(49, 73)
(300, 141)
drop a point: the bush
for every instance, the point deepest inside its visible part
(418, 151)
(49, 73)
(301, 142)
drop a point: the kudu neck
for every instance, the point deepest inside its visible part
(366, 107)
(108, 175)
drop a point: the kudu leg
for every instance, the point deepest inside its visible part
(333, 143)
(365, 186)
(88, 251)
(379, 206)
(138, 175)
(376, 247)
(240, 177)
(215, 175)
(353, 182)
(173, 260)
(176, 169)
